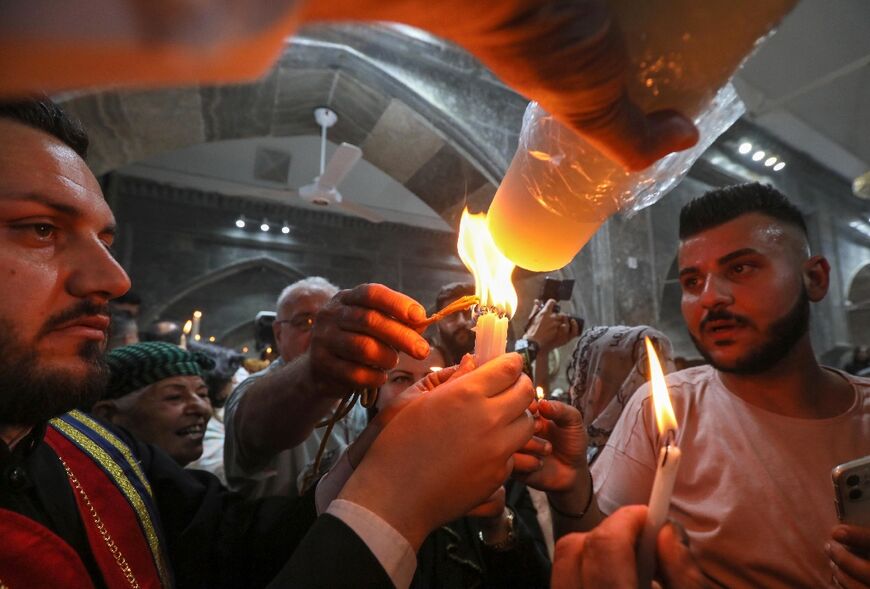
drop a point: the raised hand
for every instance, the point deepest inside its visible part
(848, 550)
(447, 450)
(357, 335)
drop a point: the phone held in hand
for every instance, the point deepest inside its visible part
(852, 491)
(558, 290)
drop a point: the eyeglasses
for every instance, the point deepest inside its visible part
(299, 322)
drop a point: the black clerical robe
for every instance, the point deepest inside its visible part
(213, 538)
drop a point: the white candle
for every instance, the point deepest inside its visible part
(188, 326)
(197, 317)
(490, 339)
(666, 471)
(659, 504)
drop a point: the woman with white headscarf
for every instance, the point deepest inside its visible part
(607, 367)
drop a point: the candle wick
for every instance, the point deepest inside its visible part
(670, 440)
(480, 310)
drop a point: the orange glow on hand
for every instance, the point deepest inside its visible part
(664, 412)
(491, 269)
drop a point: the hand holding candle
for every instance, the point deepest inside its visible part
(493, 288)
(666, 473)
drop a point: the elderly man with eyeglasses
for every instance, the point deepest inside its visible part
(270, 446)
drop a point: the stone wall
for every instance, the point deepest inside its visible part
(183, 252)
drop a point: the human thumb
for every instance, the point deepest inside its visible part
(677, 566)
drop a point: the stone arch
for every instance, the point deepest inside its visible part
(452, 122)
(858, 306)
(230, 296)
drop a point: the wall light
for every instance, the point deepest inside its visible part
(745, 148)
(758, 156)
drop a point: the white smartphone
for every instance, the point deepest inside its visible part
(852, 491)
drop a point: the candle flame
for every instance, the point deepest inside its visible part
(664, 412)
(490, 268)
(435, 369)
(539, 392)
(187, 327)
(197, 314)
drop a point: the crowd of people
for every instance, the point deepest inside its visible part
(127, 463)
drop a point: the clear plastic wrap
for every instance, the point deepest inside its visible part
(558, 189)
(573, 179)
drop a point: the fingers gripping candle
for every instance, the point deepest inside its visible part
(666, 472)
(492, 280)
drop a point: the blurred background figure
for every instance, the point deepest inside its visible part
(162, 330)
(123, 329)
(130, 302)
(220, 380)
(607, 367)
(860, 360)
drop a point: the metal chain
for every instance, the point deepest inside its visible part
(101, 528)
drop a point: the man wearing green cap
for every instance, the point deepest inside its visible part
(156, 392)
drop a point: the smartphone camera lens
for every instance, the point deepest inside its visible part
(855, 494)
(853, 480)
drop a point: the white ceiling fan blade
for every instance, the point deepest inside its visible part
(360, 211)
(341, 162)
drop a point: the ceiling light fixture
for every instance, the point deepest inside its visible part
(240, 222)
(745, 148)
(285, 229)
(758, 156)
(778, 166)
(264, 226)
(769, 161)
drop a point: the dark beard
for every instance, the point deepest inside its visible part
(458, 349)
(31, 392)
(782, 335)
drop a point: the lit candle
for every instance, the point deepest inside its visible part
(539, 392)
(187, 327)
(666, 472)
(197, 317)
(492, 281)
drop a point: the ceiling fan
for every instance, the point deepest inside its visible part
(323, 191)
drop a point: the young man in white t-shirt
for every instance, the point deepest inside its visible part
(763, 424)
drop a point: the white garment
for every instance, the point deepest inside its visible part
(754, 488)
(212, 459)
(284, 473)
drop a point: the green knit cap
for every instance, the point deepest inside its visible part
(138, 365)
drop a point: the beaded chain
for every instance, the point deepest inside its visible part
(101, 528)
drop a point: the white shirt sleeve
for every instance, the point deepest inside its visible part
(390, 548)
(331, 484)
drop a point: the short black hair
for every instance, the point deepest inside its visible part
(726, 204)
(451, 292)
(44, 114)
